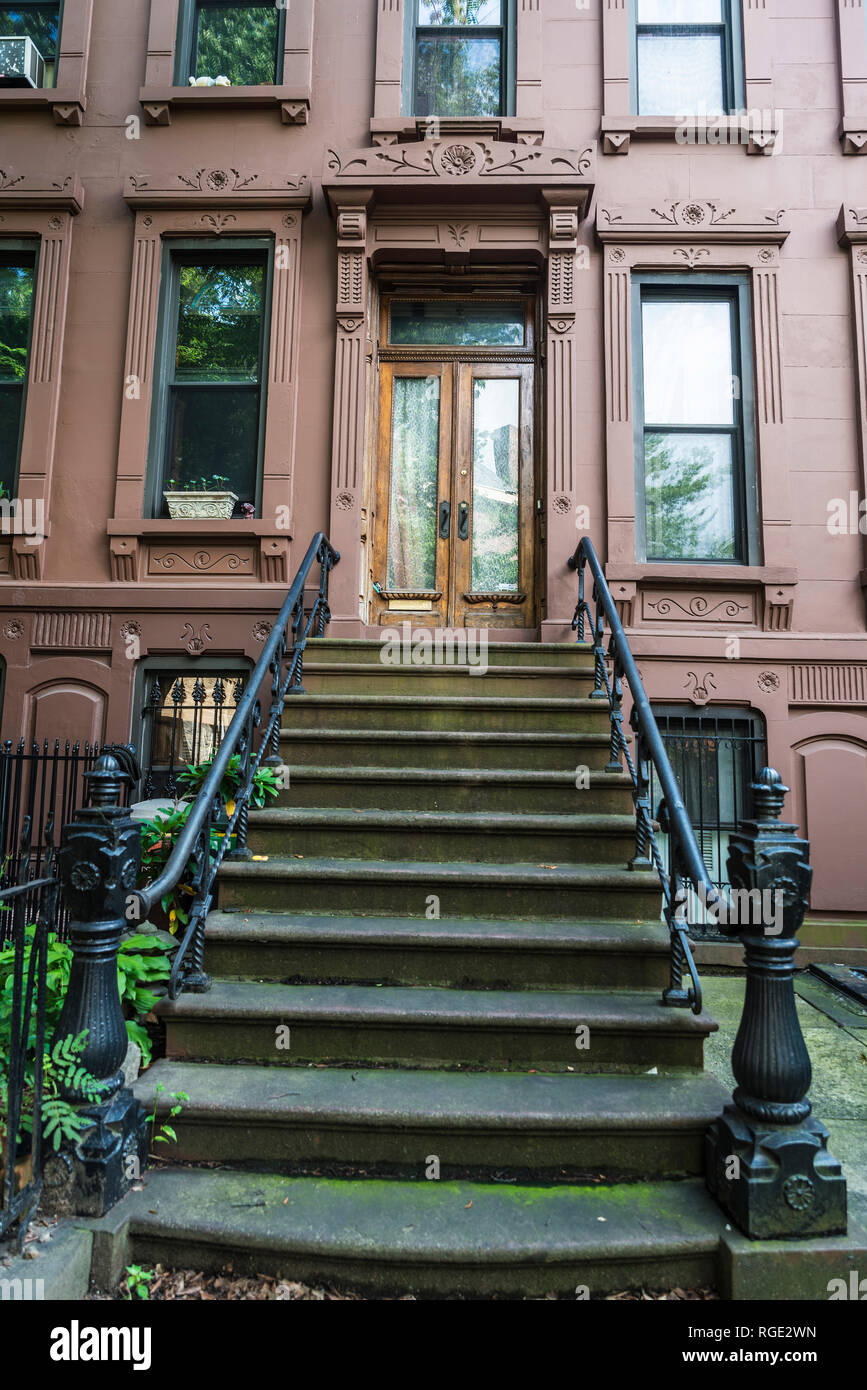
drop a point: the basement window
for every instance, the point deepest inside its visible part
(716, 755)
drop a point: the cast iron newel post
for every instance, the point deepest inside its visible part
(768, 1162)
(99, 863)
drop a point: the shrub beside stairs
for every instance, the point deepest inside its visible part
(434, 1058)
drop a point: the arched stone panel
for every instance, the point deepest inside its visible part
(832, 772)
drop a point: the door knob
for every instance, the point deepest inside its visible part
(464, 521)
(445, 520)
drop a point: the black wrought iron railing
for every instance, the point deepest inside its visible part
(198, 854)
(184, 718)
(682, 872)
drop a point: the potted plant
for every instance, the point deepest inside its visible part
(200, 499)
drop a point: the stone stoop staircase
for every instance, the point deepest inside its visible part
(419, 1044)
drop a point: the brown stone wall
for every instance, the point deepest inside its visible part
(100, 200)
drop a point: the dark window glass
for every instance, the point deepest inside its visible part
(37, 22)
(459, 57)
(424, 323)
(692, 427)
(682, 52)
(237, 41)
(215, 391)
(16, 301)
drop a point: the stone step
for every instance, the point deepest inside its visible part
(500, 1030)
(457, 790)
(447, 713)
(403, 888)
(480, 837)
(340, 651)
(470, 681)
(462, 750)
(455, 952)
(560, 1128)
(426, 1238)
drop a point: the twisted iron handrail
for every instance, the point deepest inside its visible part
(197, 849)
(688, 866)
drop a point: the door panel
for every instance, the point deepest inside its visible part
(414, 477)
(493, 488)
(455, 519)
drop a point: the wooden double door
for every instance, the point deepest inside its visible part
(456, 524)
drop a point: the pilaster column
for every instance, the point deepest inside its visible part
(350, 400)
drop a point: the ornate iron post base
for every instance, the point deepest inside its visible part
(99, 862)
(767, 1159)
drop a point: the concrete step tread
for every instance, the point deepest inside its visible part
(583, 672)
(462, 701)
(474, 822)
(469, 776)
(324, 645)
(424, 1100)
(447, 736)
(437, 1223)
(424, 1005)
(290, 928)
(424, 870)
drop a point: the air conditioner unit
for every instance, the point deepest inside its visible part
(21, 63)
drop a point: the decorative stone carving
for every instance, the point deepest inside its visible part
(261, 631)
(72, 631)
(193, 560)
(195, 641)
(815, 683)
(769, 682)
(457, 161)
(706, 220)
(778, 606)
(700, 687)
(680, 607)
(14, 629)
(207, 187)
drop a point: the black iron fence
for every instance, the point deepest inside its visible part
(40, 786)
(29, 912)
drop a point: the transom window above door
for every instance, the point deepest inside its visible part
(687, 57)
(462, 57)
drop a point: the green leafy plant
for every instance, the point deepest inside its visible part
(266, 782)
(61, 1069)
(159, 835)
(217, 482)
(144, 960)
(166, 1133)
(138, 1281)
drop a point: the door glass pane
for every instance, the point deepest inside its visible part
(457, 325)
(495, 485)
(219, 322)
(680, 74)
(689, 497)
(459, 12)
(688, 367)
(238, 42)
(457, 76)
(412, 507)
(680, 11)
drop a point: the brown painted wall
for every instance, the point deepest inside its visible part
(804, 666)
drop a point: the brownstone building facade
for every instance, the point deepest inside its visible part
(455, 283)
